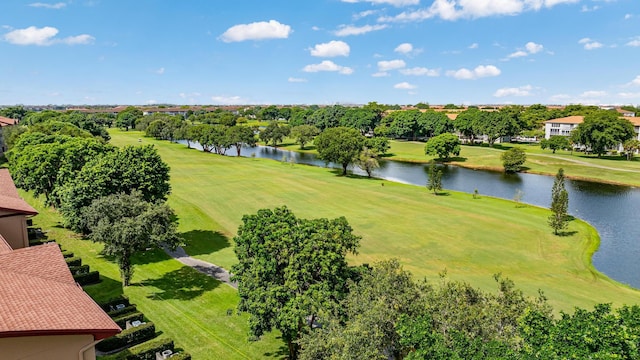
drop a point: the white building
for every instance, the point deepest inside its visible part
(562, 126)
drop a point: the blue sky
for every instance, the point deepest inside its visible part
(320, 52)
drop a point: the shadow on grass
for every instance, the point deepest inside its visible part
(455, 159)
(281, 353)
(144, 257)
(182, 284)
(566, 233)
(202, 242)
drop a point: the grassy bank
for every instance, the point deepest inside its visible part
(471, 238)
(185, 305)
(613, 169)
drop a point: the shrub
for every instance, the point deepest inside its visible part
(111, 304)
(148, 350)
(513, 159)
(76, 270)
(73, 261)
(120, 312)
(128, 337)
(122, 320)
(181, 356)
(89, 278)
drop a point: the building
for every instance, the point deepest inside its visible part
(14, 212)
(44, 314)
(562, 126)
(4, 122)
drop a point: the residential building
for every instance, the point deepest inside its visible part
(562, 126)
(14, 212)
(44, 313)
(5, 122)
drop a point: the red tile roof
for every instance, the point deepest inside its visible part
(5, 121)
(39, 297)
(567, 120)
(9, 198)
(634, 120)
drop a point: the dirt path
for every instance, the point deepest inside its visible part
(204, 267)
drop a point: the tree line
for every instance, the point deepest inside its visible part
(110, 194)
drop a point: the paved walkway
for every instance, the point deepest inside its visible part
(204, 267)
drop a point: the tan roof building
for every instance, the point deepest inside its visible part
(44, 314)
(14, 212)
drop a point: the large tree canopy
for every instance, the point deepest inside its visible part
(340, 145)
(602, 130)
(290, 269)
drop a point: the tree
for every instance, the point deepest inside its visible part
(513, 159)
(630, 147)
(274, 132)
(434, 181)
(379, 144)
(558, 220)
(443, 145)
(602, 130)
(289, 270)
(304, 134)
(555, 142)
(120, 171)
(241, 135)
(127, 118)
(365, 324)
(340, 145)
(367, 161)
(127, 224)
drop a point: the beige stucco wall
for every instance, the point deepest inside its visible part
(14, 230)
(62, 347)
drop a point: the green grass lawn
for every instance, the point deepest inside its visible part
(471, 239)
(185, 305)
(576, 165)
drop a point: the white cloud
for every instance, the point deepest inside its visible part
(55, 6)
(391, 65)
(44, 36)
(347, 30)
(160, 71)
(519, 91)
(83, 39)
(297, 80)
(586, 8)
(518, 54)
(380, 74)
(390, 2)
(457, 9)
(533, 48)
(404, 86)
(635, 42)
(404, 48)
(420, 71)
(626, 95)
(474, 46)
(590, 44)
(364, 14)
(479, 72)
(189, 95)
(229, 100)
(636, 81)
(32, 36)
(256, 31)
(331, 49)
(328, 65)
(593, 94)
(628, 16)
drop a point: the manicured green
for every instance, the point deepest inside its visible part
(185, 305)
(471, 238)
(613, 169)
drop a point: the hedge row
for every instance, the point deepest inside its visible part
(82, 269)
(73, 261)
(148, 350)
(111, 304)
(120, 312)
(133, 336)
(89, 278)
(181, 356)
(122, 320)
